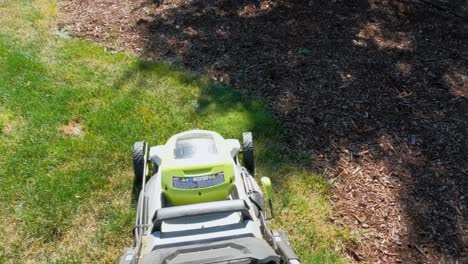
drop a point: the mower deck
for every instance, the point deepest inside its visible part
(210, 211)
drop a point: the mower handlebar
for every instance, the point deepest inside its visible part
(176, 212)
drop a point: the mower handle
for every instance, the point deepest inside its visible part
(287, 252)
(281, 241)
(176, 212)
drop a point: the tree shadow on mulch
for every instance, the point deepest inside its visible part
(381, 86)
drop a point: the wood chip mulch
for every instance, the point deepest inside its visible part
(375, 91)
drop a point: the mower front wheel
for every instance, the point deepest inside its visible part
(248, 151)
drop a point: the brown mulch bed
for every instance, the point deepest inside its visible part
(375, 91)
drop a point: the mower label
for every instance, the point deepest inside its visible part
(198, 182)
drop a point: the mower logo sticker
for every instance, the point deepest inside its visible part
(198, 182)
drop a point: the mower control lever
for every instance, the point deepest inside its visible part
(267, 189)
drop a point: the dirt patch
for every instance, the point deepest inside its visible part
(72, 129)
(374, 91)
(9, 122)
(11, 127)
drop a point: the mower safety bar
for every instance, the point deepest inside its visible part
(176, 212)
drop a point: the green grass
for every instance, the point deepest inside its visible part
(67, 199)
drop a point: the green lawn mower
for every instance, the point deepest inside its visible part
(199, 204)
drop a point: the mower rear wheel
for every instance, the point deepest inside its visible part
(248, 151)
(138, 159)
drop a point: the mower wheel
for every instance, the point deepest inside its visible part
(248, 151)
(138, 159)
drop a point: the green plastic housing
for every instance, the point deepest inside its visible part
(196, 166)
(179, 196)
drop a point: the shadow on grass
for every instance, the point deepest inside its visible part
(301, 197)
(219, 108)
